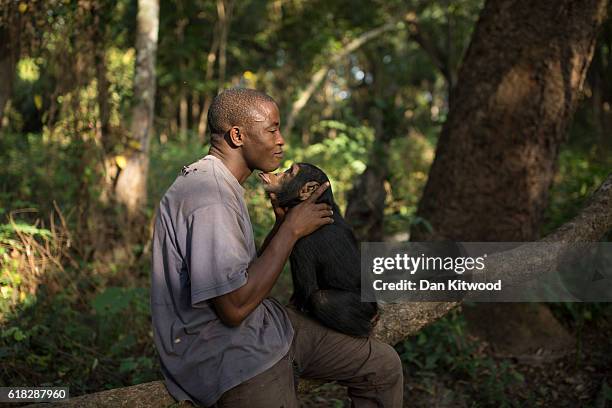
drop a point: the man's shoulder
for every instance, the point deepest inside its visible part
(197, 186)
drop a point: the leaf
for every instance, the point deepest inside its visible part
(127, 365)
(25, 228)
(135, 144)
(38, 102)
(113, 300)
(121, 161)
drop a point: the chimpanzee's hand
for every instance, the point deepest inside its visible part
(279, 212)
(308, 216)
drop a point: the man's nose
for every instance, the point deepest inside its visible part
(280, 140)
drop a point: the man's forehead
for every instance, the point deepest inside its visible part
(263, 111)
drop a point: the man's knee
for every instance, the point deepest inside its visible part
(389, 364)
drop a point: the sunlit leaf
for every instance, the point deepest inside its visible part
(121, 161)
(38, 101)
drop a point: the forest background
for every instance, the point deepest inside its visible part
(99, 111)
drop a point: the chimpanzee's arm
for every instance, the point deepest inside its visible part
(304, 273)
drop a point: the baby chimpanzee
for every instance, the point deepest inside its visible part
(325, 265)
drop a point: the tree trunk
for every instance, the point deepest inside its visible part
(131, 187)
(601, 92)
(224, 11)
(366, 201)
(99, 39)
(496, 157)
(183, 114)
(9, 53)
(517, 92)
(210, 70)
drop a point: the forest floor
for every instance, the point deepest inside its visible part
(580, 378)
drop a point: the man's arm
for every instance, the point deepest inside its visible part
(279, 214)
(263, 272)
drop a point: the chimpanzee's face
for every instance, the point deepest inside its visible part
(275, 182)
(294, 185)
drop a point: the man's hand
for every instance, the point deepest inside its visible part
(301, 220)
(309, 216)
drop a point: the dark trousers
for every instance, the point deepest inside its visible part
(370, 369)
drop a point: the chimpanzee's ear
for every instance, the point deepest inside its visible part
(307, 190)
(295, 168)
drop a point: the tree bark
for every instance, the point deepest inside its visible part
(599, 79)
(131, 187)
(10, 46)
(224, 10)
(496, 157)
(366, 201)
(208, 76)
(183, 113)
(102, 83)
(517, 91)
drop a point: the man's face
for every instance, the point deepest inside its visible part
(273, 183)
(263, 144)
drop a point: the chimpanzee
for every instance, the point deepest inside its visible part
(325, 265)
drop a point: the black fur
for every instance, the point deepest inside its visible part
(325, 265)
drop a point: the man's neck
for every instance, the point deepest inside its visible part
(234, 164)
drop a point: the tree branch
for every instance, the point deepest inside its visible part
(437, 56)
(317, 78)
(401, 320)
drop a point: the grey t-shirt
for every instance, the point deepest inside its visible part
(202, 247)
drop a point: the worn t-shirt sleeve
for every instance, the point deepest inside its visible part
(217, 253)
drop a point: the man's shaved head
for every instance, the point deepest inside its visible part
(234, 107)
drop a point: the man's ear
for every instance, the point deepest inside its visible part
(236, 136)
(307, 190)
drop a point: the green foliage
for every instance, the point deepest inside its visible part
(167, 160)
(443, 351)
(62, 341)
(59, 325)
(409, 162)
(16, 249)
(579, 174)
(342, 153)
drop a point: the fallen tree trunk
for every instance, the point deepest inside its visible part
(593, 222)
(399, 321)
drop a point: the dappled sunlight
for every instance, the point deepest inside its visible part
(61, 320)
(516, 85)
(31, 256)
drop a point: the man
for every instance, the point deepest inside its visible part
(221, 341)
